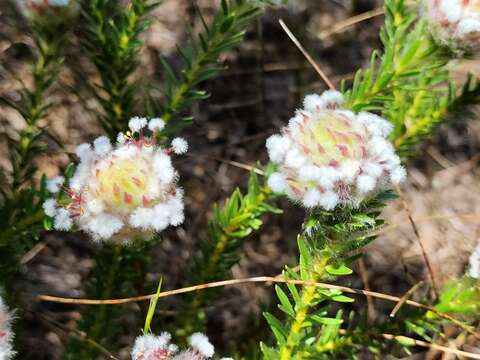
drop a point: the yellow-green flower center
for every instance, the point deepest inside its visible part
(473, 6)
(333, 138)
(122, 184)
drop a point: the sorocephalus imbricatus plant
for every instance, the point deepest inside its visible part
(456, 23)
(330, 157)
(6, 335)
(121, 191)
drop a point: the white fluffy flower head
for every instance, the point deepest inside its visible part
(474, 263)
(328, 157)
(456, 23)
(121, 191)
(151, 347)
(6, 335)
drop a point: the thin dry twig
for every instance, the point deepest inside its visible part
(230, 162)
(409, 340)
(307, 55)
(80, 335)
(364, 275)
(257, 279)
(406, 339)
(405, 297)
(345, 24)
(412, 341)
(420, 242)
(29, 255)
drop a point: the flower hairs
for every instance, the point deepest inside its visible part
(328, 157)
(120, 191)
(152, 347)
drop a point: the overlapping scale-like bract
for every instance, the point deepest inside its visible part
(121, 191)
(328, 157)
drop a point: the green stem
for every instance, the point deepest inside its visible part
(307, 297)
(44, 70)
(178, 98)
(21, 225)
(303, 308)
(226, 32)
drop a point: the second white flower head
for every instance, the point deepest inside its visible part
(328, 157)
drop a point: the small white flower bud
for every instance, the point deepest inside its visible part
(102, 145)
(277, 147)
(179, 145)
(54, 184)
(312, 198)
(137, 123)
(200, 342)
(156, 124)
(313, 102)
(62, 220)
(399, 175)
(365, 184)
(277, 182)
(50, 207)
(329, 200)
(83, 151)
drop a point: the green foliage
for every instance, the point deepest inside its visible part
(408, 83)
(201, 59)
(228, 230)
(460, 297)
(21, 214)
(325, 246)
(112, 38)
(118, 273)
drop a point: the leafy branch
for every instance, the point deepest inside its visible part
(112, 38)
(326, 241)
(230, 227)
(113, 41)
(21, 214)
(201, 58)
(408, 83)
